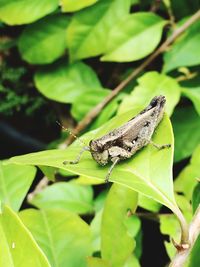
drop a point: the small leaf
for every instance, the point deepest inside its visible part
(132, 262)
(74, 5)
(88, 32)
(15, 182)
(68, 196)
(64, 83)
(38, 43)
(194, 95)
(186, 124)
(194, 259)
(148, 203)
(80, 108)
(187, 179)
(169, 225)
(185, 51)
(116, 243)
(49, 172)
(97, 262)
(15, 12)
(150, 85)
(196, 197)
(95, 227)
(63, 236)
(134, 37)
(18, 248)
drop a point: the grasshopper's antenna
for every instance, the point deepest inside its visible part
(71, 133)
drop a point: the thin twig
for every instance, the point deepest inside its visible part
(194, 231)
(39, 187)
(90, 116)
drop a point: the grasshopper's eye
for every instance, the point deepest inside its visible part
(95, 146)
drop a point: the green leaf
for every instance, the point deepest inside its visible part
(186, 124)
(95, 227)
(38, 43)
(154, 181)
(132, 262)
(84, 180)
(19, 12)
(187, 179)
(129, 37)
(64, 83)
(88, 32)
(97, 262)
(148, 203)
(49, 172)
(169, 225)
(116, 243)
(80, 108)
(150, 85)
(68, 196)
(18, 248)
(15, 182)
(74, 5)
(185, 51)
(194, 260)
(196, 197)
(108, 112)
(63, 236)
(194, 95)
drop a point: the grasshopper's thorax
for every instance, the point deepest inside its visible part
(98, 153)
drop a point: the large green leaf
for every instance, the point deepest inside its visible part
(69, 196)
(80, 108)
(116, 243)
(148, 172)
(88, 32)
(74, 5)
(129, 37)
(15, 182)
(18, 248)
(63, 236)
(150, 85)
(186, 125)
(185, 51)
(194, 95)
(187, 179)
(44, 41)
(15, 12)
(64, 83)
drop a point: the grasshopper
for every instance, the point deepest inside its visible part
(123, 142)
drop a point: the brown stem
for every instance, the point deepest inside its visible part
(194, 230)
(91, 115)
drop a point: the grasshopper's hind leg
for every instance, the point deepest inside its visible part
(85, 148)
(115, 160)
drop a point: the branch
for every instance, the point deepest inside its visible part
(194, 231)
(91, 115)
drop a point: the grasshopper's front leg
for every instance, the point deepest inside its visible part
(115, 161)
(159, 147)
(85, 148)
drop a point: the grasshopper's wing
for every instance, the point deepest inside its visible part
(128, 131)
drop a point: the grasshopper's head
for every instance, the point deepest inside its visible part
(158, 105)
(98, 153)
